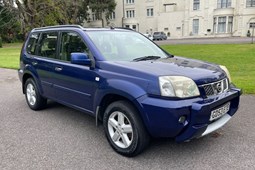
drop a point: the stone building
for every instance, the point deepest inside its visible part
(184, 18)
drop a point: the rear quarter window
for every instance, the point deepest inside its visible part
(32, 42)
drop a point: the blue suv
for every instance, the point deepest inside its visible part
(134, 87)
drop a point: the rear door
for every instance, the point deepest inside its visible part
(43, 54)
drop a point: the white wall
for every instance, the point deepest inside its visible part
(177, 17)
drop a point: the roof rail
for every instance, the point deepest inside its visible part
(124, 28)
(60, 26)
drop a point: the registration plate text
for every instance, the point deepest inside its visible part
(217, 113)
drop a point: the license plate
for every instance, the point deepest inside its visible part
(217, 113)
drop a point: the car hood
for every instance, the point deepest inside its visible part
(199, 71)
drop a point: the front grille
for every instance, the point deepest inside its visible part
(216, 87)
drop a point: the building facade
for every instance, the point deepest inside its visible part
(184, 18)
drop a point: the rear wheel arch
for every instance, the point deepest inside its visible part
(26, 76)
(33, 97)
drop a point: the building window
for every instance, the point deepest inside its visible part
(150, 12)
(221, 25)
(215, 24)
(94, 17)
(195, 26)
(130, 13)
(250, 3)
(112, 16)
(230, 24)
(196, 4)
(130, 1)
(252, 24)
(224, 3)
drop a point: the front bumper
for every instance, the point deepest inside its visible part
(162, 116)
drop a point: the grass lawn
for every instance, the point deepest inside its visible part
(9, 55)
(238, 58)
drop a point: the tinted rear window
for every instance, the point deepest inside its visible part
(32, 42)
(48, 45)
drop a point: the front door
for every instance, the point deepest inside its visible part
(44, 54)
(75, 85)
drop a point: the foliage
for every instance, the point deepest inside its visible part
(38, 13)
(1, 43)
(100, 7)
(9, 26)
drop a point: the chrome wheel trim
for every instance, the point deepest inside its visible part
(31, 94)
(120, 129)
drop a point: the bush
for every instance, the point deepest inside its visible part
(1, 43)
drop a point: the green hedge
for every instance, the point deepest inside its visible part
(1, 43)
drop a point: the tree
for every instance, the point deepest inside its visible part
(36, 13)
(100, 7)
(39, 13)
(72, 11)
(8, 23)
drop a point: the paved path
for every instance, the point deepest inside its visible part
(62, 138)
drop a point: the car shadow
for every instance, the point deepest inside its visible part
(159, 148)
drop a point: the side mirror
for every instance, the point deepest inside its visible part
(81, 59)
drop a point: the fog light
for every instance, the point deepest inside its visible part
(182, 119)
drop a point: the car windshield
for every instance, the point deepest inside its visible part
(118, 45)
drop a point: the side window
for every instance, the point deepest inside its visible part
(31, 45)
(48, 45)
(71, 42)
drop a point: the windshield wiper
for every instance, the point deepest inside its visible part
(151, 57)
(170, 56)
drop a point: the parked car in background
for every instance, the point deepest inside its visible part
(126, 81)
(159, 36)
(148, 36)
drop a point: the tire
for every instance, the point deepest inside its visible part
(34, 100)
(124, 129)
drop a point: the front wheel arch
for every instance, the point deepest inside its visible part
(139, 139)
(109, 98)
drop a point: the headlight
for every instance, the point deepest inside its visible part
(178, 86)
(224, 68)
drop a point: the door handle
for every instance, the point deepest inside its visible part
(58, 68)
(34, 63)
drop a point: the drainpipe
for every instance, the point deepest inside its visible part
(123, 10)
